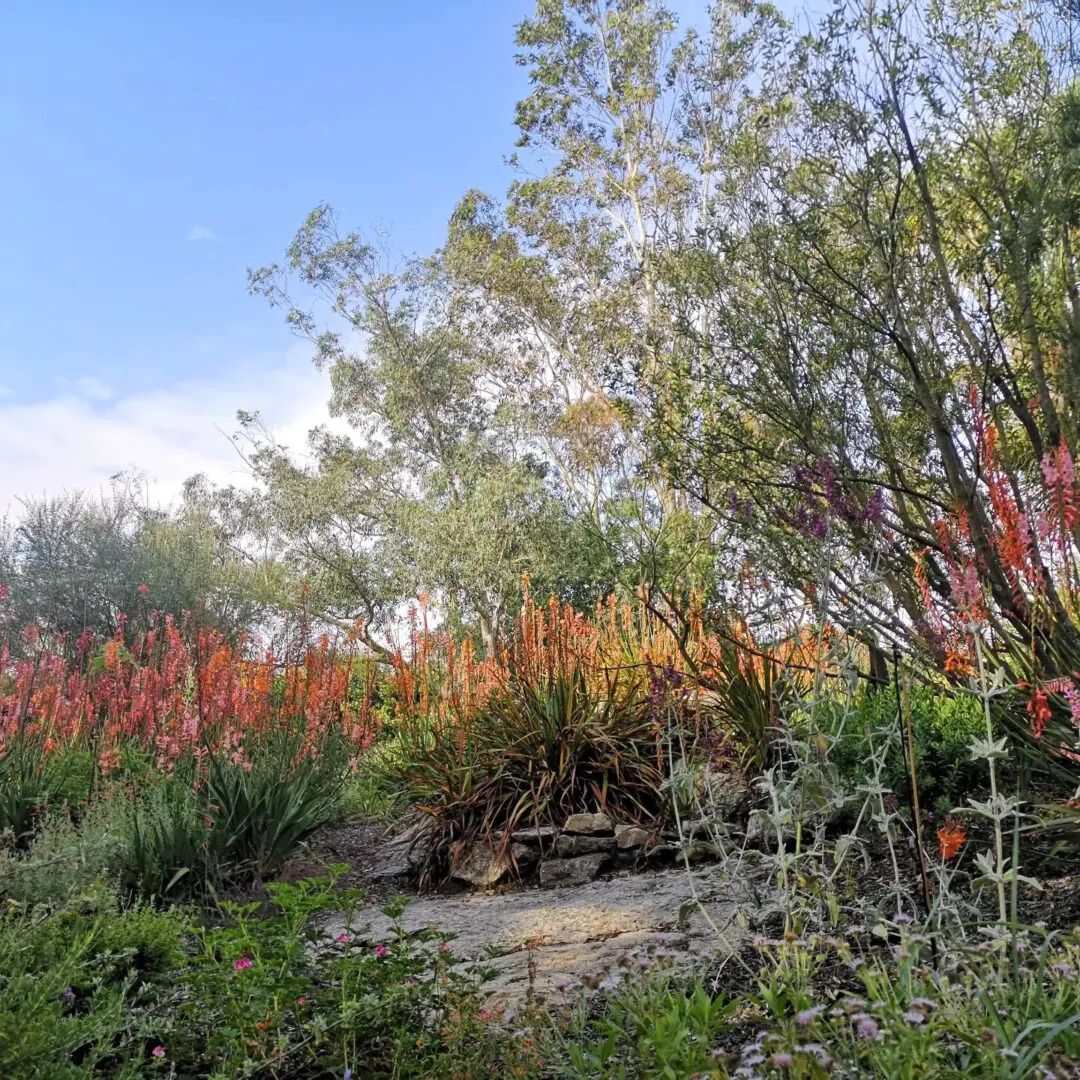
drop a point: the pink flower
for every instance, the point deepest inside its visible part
(158, 1051)
(301, 1001)
(381, 951)
(344, 938)
(143, 590)
(242, 964)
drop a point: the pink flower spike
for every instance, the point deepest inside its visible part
(381, 951)
(242, 964)
(158, 1051)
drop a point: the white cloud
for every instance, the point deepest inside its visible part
(199, 233)
(87, 386)
(79, 438)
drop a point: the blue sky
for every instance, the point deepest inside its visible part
(129, 127)
(154, 150)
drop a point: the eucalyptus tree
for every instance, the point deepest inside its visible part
(425, 484)
(618, 170)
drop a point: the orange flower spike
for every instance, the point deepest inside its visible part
(1038, 708)
(951, 838)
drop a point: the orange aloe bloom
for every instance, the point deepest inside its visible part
(951, 839)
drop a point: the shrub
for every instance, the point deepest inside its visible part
(943, 726)
(76, 984)
(535, 753)
(374, 789)
(67, 857)
(572, 715)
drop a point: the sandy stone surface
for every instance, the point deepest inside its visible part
(571, 935)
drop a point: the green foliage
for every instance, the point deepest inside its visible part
(70, 855)
(89, 990)
(76, 984)
(442, 494)
(943, 724)
(743, 702)
(979, 1016)
(234, 826)
(276, 997)
(887, 1016)
(166, 852)
(374, 790)
(653, 1026)
(32, 780)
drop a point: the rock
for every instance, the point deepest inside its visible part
(482, 866)
(395, 867)
(568, 847)
(564, 872)
(761, 833)
(589, 824)
(525, 854)
(726, 795)
(630, 836)
(543, 835)
(544, 944)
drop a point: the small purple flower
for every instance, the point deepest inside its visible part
(867, 1028)
(69, 995)
(902, 918)
(782, 1061)
(808, 1016)
(347, 1075)
(913, 1016)
(874, 512)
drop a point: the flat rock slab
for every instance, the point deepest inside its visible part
(574, 934)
